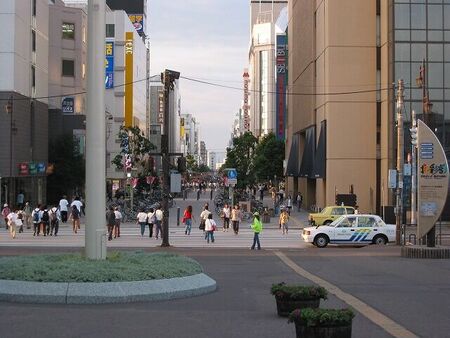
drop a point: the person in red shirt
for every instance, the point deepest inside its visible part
(188, 217)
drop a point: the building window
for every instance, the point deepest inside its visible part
(110, 30)
(34, 7)
(33, 76)
(68, 68)
(33, 41)
(68, 31)
(83, 70)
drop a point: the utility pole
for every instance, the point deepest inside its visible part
(400, 162)
(168, 79)
(427, 106)
(413, 168)
(95, 239)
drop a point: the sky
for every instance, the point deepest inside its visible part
(207, 40)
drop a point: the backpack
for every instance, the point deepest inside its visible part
(75, 213)
(45, 217)
(36, 217)
(53, 216)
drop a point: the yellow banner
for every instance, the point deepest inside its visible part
(129, 50)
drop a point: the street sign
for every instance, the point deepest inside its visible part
(232, 174)
(232, 181)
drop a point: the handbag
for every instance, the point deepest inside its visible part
(202, 224)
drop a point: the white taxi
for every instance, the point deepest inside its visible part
(351, 230)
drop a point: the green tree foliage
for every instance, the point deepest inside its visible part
(191, 164)
(268, 158)
(69, 168)
(240, 157)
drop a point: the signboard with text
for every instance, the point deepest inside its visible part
(138, 22)
(432, 180)
(281, 67)
(246, 106)
(109, 65)
(68, 105)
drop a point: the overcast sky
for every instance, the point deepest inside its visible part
(208, 40)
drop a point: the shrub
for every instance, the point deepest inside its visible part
(298, 292)
(322, 317)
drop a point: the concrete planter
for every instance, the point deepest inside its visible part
(286, 306)
(303, 331)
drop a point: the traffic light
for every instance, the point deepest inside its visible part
(181, 164)
(413, 132)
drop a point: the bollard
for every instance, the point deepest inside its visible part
(178, 216)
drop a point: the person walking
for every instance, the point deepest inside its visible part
(142, 221)
(63, 208)
(257, 228)
(75, 216)
(45, 221)
(203, 217)
(210, 227)
(27, 214)
(236, 218)
(284, 219)
(12, 218)
(20, 213)
(76, 202)
(151, 221)
(188, 217)
(36, 216)
(54, 221)
(5, 212)
(299, 201)
(226, 217)
(289, 204)
(110, 222)
(118, 221)
(159, 218)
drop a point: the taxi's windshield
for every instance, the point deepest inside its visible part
(325, 210)
(337, 221)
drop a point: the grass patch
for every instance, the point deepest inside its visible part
(118, 267)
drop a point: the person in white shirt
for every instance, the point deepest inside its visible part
(12, 218)
(226, 217)
(151, 220)
(77, 203)
(159, 217)
(203, 217)
(118, 216)
(63, 204)
(210, 227)
(36, 217)
(55, 216)
(142, 221)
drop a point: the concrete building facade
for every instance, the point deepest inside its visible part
(24, 40)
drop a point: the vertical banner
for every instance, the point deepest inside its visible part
(138, 22)
(129, 50)
(246, 106)
(281, 61)
(432, 179)
(109, 65)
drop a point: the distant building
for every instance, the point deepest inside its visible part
(203, 153)
(212, 160)
(189, 135)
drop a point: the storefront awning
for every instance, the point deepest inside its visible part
(292, 163)
(307, 163)
(320, 161)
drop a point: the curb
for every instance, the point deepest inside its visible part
(425, 252)
(106, 293)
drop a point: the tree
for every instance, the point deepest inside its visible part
(268, 158)
(240, 157)
(191, 164)
(68, 175)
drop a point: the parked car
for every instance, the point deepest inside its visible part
(329, 214)
(351, 229)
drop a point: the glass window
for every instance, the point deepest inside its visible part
(435, 52)
(436, 94)
(418, 17)
(435, 78)
(338, 211)
(446, 16)
(68, 68)
(402, 35)
(350, 211)
(33, 41)
(435, 36)
(418, 51)
(402, 16)
(418, 35)
(447, 78)
(68, 30)
(110, 30)
(402, 52)
(347, 222)
(366, 222)
(434, 16)
(402, 71)
(33, 76)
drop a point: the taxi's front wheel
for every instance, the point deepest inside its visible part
(380, 240)
(321, 241)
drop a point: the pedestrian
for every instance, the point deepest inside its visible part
(118, 221)
(36, 216)
(20, 200)
(75, 216)
(236, 218)
(188, 217)
(63, 208)
(45, 221)
(198, 193)
(203, 217)
(257, 228)
(226, 217)
(76, 202)
(284, 219)
(12, 218)
(27, 214)
(151, 221)
(54, 221)
(20, 213)
(110, 222)
(289, 204)
(142, 221)
(159, 218)
(210, 227)
(5, 212)
(299, 201)
(211, 194)
(261, 193)
(18, 223)
(356, 209)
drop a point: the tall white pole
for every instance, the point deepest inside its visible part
(95, 240)
(413, 174)
(400, 162)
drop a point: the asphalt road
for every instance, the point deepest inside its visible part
(414, 293)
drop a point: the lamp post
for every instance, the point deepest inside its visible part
(9, 108)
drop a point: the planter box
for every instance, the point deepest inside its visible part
(285, 307)
(323, 332)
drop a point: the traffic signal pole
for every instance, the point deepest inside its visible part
(400, 163)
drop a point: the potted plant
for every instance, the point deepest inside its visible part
(291, 297)
(322, 323)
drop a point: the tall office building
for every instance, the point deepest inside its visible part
(341, 129)
(263, 16)
(23, 99)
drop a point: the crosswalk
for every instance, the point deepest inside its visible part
(131, 238)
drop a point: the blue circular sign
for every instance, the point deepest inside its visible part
(232, 174)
